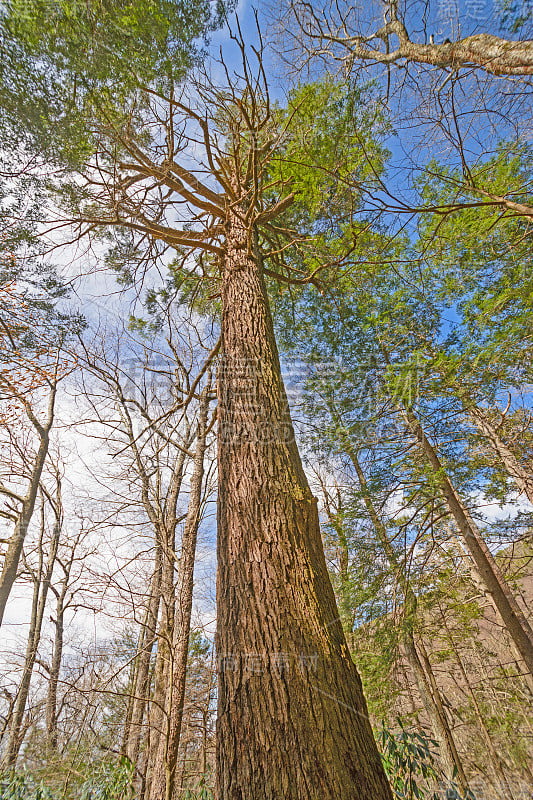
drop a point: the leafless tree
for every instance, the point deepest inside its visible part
(42, 578)
(379, 33)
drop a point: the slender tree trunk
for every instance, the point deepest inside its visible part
(498, 713)
(427, 686)
(407, 685)
(166, 535)
(133, 734)
(520, 474)
(41, 587)
(206, 708)
(292, 718)
(478, 583)
(164, 773)
(512, 615)
(163, 515)
(344, 605)
(343, 560)
(53, 682)
(16, 542)
(496, 762)
(156, 724)
(134, 666)
(441, 711)
(429, 692)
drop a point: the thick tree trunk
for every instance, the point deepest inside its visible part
(292, 718)
(517, 471)
(512, 615)
(163, 778)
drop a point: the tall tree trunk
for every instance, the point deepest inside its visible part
(512, 615)
(166, 535)
(133, 733)
(53, 681)
(292, 718)
(156, 723)
(163, 778)
(520, 474)
(496, 763)
(16, 542)
(431, 700)
(453, 757)
(40, 593)
(482, 589)
(426, 684)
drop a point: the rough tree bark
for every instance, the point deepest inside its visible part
(163, 778)
(292, 719)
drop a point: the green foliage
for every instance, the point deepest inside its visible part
(332, 147)
(71, 69)
(436, 322)
(409, 761)
(202, 792)
(22, 786)
(515, 14)
(477, 261)
(110, 781)
(74, 77)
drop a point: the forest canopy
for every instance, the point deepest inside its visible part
(266, 436)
